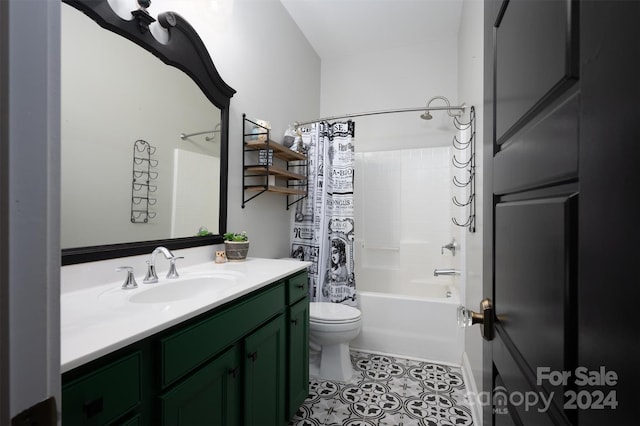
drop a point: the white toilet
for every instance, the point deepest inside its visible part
(332, 326)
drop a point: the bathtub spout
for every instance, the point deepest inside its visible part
(438, 272)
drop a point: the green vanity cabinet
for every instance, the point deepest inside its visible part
(102, 396)
(135, 421)
(297, 342)
(211, 396)
(243, 363)
(189, 346)
(264, 370)
(298, 356)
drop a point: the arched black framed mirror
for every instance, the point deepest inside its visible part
(121, 86)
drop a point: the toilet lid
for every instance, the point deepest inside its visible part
(332, 312)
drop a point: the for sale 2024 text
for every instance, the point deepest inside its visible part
(598, 399)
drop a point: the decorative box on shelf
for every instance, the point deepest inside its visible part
(264, 159)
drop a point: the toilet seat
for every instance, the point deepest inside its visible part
(332, 313)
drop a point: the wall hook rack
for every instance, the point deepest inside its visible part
(467, 148)
(142, 185)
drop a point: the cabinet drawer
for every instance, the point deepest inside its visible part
(297, 287)
(188, 348)
(101, 397)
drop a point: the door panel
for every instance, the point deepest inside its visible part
(561, 83)
(532, 277)
(534, 57)
(510, 383)
(505, 415)
(541, 154)
(534, 286)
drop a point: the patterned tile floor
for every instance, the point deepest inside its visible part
(386, 390)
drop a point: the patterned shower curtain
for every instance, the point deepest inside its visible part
(322, 229)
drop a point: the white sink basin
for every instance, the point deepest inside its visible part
(166, 291)
(181, 289)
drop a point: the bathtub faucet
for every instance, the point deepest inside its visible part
(438, 272)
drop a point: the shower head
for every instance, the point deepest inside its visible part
(426, 115)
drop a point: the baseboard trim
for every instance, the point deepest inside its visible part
(413, 358)
(472, 391)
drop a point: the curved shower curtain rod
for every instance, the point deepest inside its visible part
(460, 108)
(184, 136)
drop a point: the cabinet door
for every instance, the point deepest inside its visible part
(208, 397)
(264, 393)
(100, 397)
(298, 355)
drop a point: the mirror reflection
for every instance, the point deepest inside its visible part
(115, 94)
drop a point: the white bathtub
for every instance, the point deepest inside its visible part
(420, 326)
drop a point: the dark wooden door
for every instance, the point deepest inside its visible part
(562, 110)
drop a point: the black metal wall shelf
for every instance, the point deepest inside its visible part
(268, 166)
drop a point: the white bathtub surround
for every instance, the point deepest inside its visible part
(98, 318)
(403, 218)
(414, 327)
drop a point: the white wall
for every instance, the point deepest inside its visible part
(260, 52)
(470, 87)
(403, 77)
(404, 215)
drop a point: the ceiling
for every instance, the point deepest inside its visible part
(341, 27)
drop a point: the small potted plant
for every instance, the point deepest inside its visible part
(236, 245)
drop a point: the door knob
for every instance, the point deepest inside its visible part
(467, 317)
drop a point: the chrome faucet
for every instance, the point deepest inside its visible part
(130, 281)
(452, 247)
(151, 276)
(438, 272)
(173, 272)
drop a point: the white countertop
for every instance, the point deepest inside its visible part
(99, 319)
